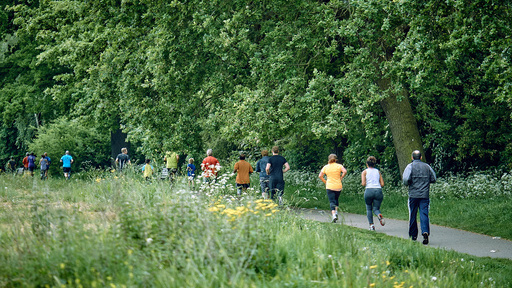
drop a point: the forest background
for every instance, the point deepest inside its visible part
(356, 78)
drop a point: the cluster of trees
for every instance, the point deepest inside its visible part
(353, 77)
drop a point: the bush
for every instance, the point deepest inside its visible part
(89, 148)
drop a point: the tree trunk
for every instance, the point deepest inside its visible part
(403, 126)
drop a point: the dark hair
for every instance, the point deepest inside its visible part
(42, 156)
(416, 155)
(371, 161)
(275, 149)
(148, 160)
(242, 157)
(264, 153)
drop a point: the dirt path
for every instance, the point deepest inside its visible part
(441, 237)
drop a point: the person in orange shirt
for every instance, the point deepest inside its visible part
(335, 173)
(243, 169)
(25, 161)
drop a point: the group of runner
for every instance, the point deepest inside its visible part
(30, 164)
(417, 176)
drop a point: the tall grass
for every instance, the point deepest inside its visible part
(111, 230)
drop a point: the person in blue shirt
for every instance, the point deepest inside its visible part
(261, 165)
(47, 166)
(191, 172)
(31, 163)
(66, 161)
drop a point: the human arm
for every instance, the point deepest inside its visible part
(321, 176)
(258, 166)
(433, 177)
(363, 178)
(343, 172)
(267, 169)
(381, 180)
(286, 167)
(406, 178)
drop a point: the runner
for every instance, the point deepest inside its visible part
(171, 158)
(66, 161)
(48, 166)
(43, 163)
(191, 172)
(261, 165)
(243, 170)
(210, 167)
(122, 159)
(372, 179)
(25, 162)
(147, 170)
(335, 173)
(418, 175)
(11, 165)
(275, 170)
(31, 163)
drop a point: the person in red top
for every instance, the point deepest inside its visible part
(210, 167)
(25, 161)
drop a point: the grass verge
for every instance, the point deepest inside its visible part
(123, 232)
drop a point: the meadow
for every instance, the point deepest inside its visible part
(103, 229)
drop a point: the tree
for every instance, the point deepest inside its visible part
(89, 148)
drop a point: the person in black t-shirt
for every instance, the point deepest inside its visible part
(123, 159)
(275, 171)
(11, 165)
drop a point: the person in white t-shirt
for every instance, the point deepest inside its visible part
(371, 178)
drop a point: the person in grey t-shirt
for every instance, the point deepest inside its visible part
(418, 176)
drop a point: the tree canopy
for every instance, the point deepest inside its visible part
(355, 78)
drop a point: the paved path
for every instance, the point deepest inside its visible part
(441, 237)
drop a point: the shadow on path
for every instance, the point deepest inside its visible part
(441, 237)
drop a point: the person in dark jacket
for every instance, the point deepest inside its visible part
(261, 165)
(418, 176)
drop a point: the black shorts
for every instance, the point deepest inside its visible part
(243, 185)
(31, 169)
(66, 169)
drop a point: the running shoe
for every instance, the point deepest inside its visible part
(372, 228)
(381, 220)
(425, 238)
(334, 218)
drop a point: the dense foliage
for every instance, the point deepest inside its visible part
(355, 78)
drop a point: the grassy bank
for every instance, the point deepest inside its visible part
(118, 231)
(480, 203)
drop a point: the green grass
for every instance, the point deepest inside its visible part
(482, 208)
(103, 230)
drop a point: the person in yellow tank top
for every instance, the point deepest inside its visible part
(335, 173)
(147, 170)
